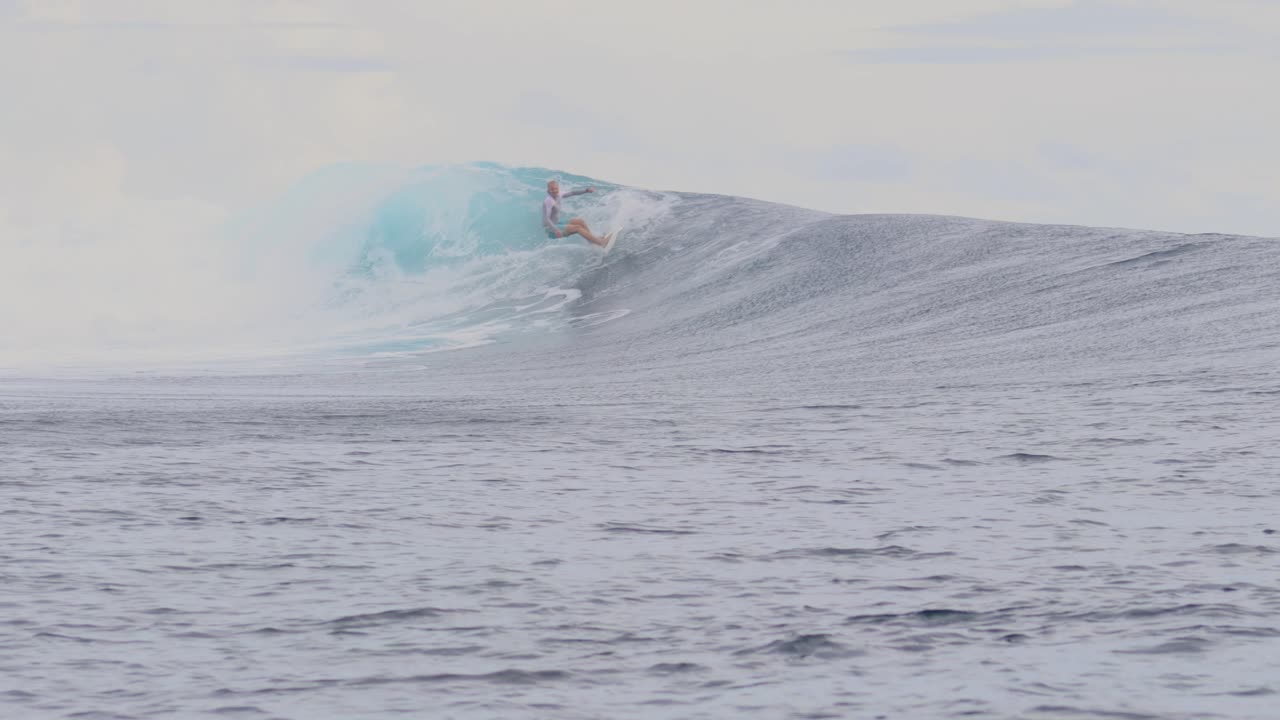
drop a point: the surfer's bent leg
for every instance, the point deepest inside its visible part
(579, 226)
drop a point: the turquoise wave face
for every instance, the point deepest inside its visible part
(433, 257)
(367, 215)
(442, 216)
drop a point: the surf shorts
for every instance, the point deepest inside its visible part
(562, 226)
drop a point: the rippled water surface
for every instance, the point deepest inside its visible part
(335, 547)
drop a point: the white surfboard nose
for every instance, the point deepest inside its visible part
(612, 238)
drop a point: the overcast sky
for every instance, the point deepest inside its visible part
(139, 116)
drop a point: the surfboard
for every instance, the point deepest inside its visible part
(613, 239)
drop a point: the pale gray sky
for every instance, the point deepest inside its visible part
(138, 118)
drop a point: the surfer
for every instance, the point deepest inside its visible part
(576, 226)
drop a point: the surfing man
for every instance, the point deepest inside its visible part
(576, 226)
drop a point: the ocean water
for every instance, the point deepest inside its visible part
(417, 460)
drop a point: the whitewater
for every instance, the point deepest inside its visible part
(380, 448)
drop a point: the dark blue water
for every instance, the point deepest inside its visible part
(755, 462)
